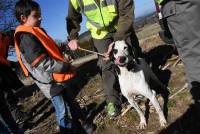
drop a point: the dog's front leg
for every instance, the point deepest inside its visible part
(156, 104)
(143, 123)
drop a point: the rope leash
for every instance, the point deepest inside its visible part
(82, 49)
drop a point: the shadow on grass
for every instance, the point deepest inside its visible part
(157, 57)
(189, 122)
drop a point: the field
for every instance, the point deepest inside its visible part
(90, 95)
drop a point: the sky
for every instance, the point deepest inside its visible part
(54, 13)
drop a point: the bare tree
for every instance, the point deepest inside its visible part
(7, 19)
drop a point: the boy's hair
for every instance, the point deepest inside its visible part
(24, 7)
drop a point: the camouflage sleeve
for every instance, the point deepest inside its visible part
(73, 21)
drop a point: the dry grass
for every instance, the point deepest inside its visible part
(148, 30)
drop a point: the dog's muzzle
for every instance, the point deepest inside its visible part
(121, 61)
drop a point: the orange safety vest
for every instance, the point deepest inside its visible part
(4, 45)
(49, 45)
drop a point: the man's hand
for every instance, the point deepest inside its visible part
(107, 54)
(73, 44)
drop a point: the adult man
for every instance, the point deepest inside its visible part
(108, 21)
(183, 19)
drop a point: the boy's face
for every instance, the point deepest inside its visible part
(33, 20)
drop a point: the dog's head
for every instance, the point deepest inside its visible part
(120, 53)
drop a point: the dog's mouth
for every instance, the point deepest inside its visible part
(121, 61)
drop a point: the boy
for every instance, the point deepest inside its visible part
(9, 80)
(41, 58)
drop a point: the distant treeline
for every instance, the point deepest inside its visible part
(141, 21)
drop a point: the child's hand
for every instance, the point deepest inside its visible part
(73, 44)
(68, 58)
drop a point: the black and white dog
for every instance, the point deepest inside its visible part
(134, 79)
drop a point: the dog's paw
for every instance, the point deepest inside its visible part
(142, 125)
(163, 123)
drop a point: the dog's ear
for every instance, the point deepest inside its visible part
(113, 45)
(132, 51)
(111, 55)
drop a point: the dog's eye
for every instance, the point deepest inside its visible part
(125, 47)
(115, 51)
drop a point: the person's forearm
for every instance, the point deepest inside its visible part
(126, 16)
(73, 21)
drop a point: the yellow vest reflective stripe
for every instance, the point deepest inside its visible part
(100, 19)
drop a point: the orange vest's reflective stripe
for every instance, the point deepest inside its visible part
(49, 45)
(3, 49)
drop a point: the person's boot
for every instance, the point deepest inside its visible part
(19, 116)
(112, 110)
(67, 126)
(89, 128)
(66, 131)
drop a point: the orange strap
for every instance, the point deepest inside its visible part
(38, 59)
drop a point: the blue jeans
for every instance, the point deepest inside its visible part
(62, 110)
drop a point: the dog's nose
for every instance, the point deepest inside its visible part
(122, 59)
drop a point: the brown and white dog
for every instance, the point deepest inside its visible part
(134, 77)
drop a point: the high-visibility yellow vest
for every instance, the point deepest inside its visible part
(100, 19)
